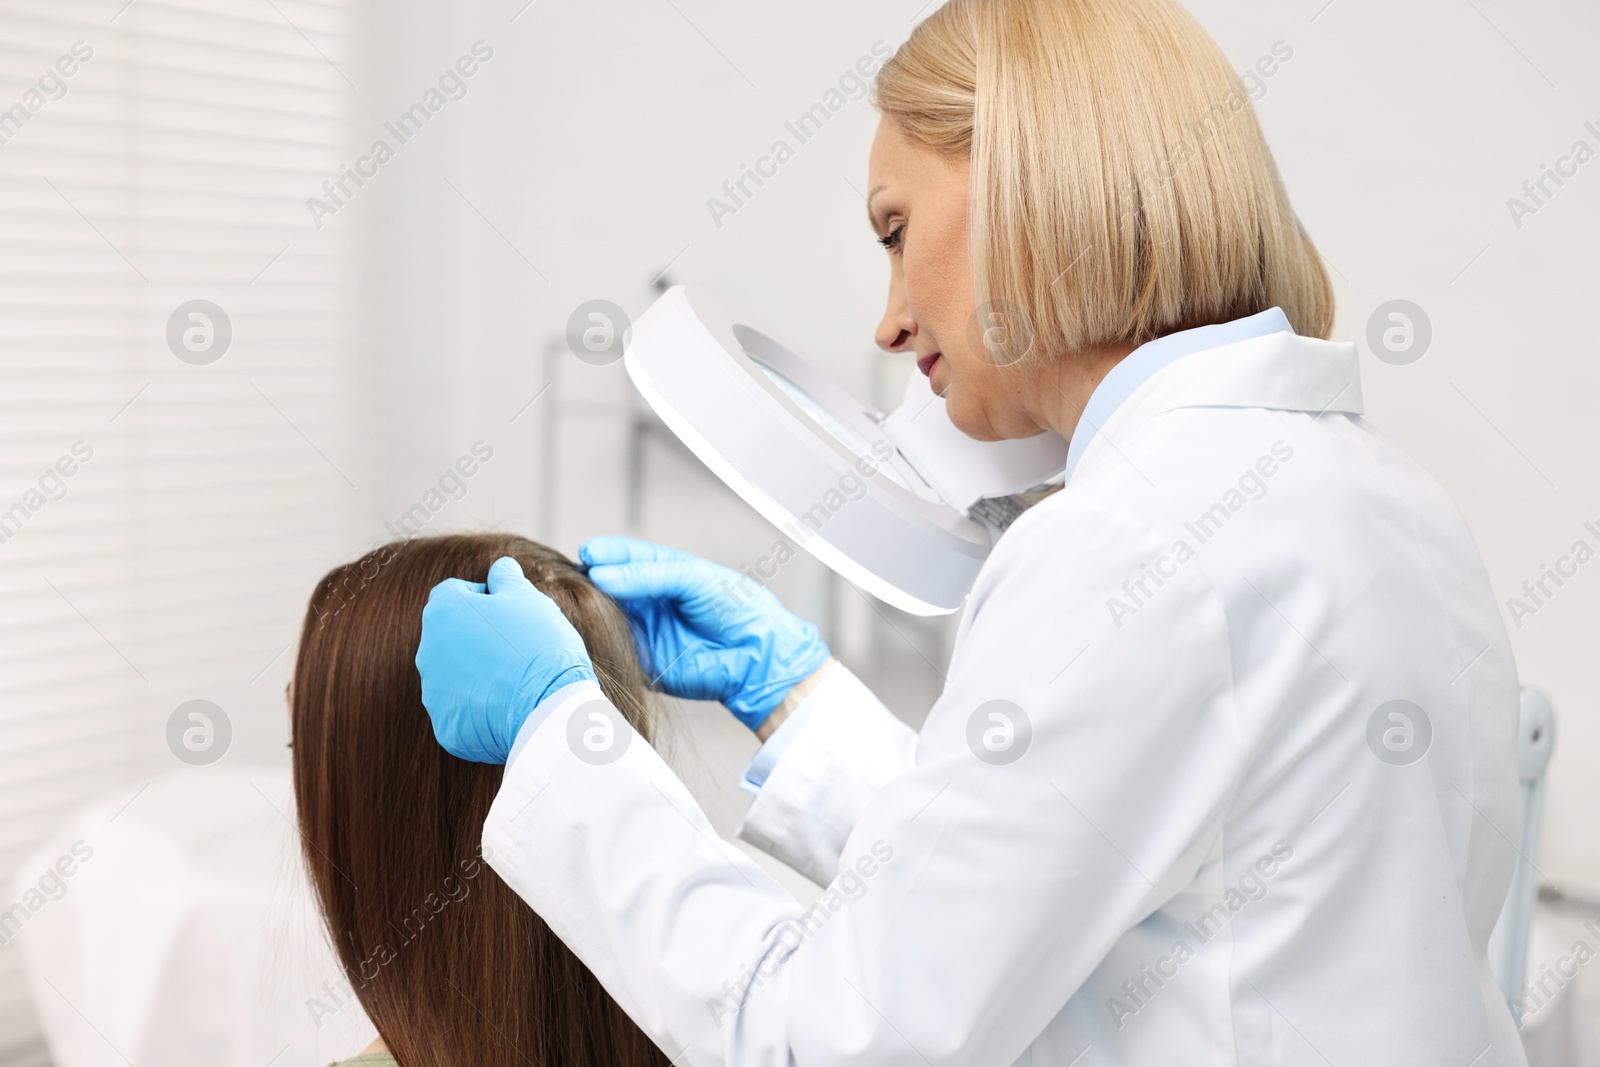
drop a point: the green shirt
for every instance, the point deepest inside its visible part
(371, 1059)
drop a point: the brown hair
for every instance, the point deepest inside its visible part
(450, 965)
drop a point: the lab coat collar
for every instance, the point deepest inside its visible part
(1257, 361)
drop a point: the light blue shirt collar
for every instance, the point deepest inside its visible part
(1143, 362)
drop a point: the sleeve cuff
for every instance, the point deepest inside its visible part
(567, 695)
(767, 757)
(843, 745)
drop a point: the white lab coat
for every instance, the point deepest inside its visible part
(1199, 859)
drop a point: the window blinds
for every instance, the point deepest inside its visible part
(154, 153)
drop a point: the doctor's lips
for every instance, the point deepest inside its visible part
(925, 363)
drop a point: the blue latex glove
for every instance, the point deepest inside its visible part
(709, 633)
(488, 656)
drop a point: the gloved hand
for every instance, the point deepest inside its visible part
(710, 633)
(490, 652)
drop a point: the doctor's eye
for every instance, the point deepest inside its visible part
(892, 241)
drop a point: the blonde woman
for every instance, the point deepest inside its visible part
(1223, 764)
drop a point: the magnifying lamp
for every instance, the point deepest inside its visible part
(892, 502)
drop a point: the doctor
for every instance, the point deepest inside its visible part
(1223, 768)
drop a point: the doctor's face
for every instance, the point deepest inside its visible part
(917, 200)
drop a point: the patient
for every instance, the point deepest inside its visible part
(450, 965)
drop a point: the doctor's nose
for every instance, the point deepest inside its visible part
(896, 330)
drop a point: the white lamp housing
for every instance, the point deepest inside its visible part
(881, 499)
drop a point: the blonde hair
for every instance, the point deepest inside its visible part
(1121, 187)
